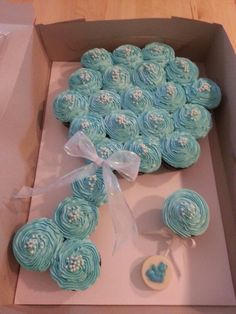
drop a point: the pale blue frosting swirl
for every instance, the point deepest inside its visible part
(68, 105)
(97, 59)
(91, 188)
(181, 71)
(180, 149)
(148, 151)
(122, 125)
(90, 124)
(85, 81)
(155, 122)
(116, 79)
(35, 244)
(76, 217)
(104, 102)
(128, 55)
(186, 213)
(194, 119)
(148, 76)
(158, 52)
(169, 96)
(77, 265)
(107, 147)
(137, 100)
(204, 92)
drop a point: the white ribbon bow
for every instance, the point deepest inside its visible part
(124, 162)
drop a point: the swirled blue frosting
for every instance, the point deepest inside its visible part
(116, 78)
(91, 188)
(35, 244)
(204, 92)
(90, 124)
(97, 59)
(137, 100)
(76, 217)
(158, 52)
(194, 119)
(148, 76)
(156, 273)
(181, 71)
(104, 102)
(180, 149)
(186, 213)
(148, 151)
(85, 81)
(122, 125)
(128, 55)
(107, 147)
(77, 265)
(68, 105)
(155, 122)
(169, 96)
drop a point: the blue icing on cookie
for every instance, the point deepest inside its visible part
(155, 122)
(104, 102)
(181, 71)
(169, 96)
(85, 81)
(97, 59)
(186, 213)
(35, 244)
(91, 188)
(68, 105)
(76, 217)
(194, 119)
(128, 55)
(180, 149)
(148, 151)
(158, 52)
(122, 125)
(204, 92)
(77, 265)
(148, 76)
(90, 124)
(116, 78)
(137, 100)
(156, 273)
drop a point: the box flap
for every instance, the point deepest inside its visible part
(16, 13)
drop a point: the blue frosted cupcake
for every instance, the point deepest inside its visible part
(169, 96)
(68, 105)
(194, 119)
(77, 265)
(35, 244)
(116, 78)
(137, 100)
(104, 102)
(129, 56)
(204, 92)
(122, 125)
(97, 59)
(91, 125)
(158, 52)
(155, 122)
(148, 76)
(91, 188)
(181, 71)
(180, 149)
(186, 213)
(76, 218)
(148, 151)
(107, 147)
(85, 81)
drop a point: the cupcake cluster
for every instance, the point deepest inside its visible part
(62, 245)
(145, 100)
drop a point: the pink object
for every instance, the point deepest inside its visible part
(204, 278)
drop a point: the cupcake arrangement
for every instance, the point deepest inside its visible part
(147, 101)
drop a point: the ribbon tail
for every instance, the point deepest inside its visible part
(122, 217)
(68, 178)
